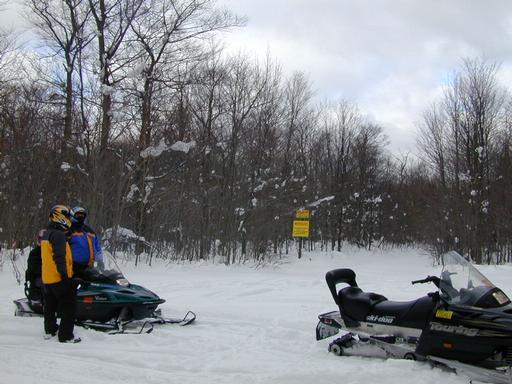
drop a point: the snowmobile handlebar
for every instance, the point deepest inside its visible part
(80, 281)
(428, 279)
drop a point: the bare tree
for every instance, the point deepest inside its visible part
(246, 84)
(341, 125)
(459, 141)
(8, 56)
(432, 140)
(113, 20)
(367, 162)
(297, 96)
(62, 26)
(167, 35)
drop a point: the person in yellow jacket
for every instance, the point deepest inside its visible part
(57, 273)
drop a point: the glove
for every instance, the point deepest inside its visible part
(65, 283)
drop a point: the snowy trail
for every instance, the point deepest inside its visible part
(254, 325)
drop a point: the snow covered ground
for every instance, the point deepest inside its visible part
(254, 325)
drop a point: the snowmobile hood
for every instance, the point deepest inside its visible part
(132, 293)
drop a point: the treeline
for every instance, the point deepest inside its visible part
(132, 109)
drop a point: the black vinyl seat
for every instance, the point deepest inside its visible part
(356, 303)
(411, 314)
(359, 305)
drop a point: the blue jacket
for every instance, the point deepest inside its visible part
(85, 246)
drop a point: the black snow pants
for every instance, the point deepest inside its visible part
(60, 301)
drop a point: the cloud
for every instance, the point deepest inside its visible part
(10, 16)
(392, 57)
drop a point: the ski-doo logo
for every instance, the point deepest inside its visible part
(457, 329)
(381, 319)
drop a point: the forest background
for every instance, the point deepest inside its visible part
(183, 151)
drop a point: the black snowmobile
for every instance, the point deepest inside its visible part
(106, 301)
(465, 325)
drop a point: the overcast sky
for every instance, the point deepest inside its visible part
(390, 57)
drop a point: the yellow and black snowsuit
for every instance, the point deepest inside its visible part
(57, 262)
(59, 289)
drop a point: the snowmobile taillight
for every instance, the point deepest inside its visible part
(122, 282)
(447, 345)
(88, 299)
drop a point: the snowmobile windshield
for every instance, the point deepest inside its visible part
(461, 283)
(106, 273)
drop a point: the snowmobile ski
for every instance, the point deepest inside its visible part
(500, 375)
(137, 326)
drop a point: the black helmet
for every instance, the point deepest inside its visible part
(61, 217)
(78, 215)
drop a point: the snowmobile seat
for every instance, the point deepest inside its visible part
(357, 304)
(411, 314)
(369, 306)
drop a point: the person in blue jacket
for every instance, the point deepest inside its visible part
(85, 244)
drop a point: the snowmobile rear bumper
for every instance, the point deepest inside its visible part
(329, 324)
(25, 308)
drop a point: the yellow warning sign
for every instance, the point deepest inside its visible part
(302, 214)
(300, 228)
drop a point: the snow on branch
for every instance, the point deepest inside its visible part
(180, 146)
(162, 147)
(122, 234)
(154, 151)
(65, 166)
(322, 200)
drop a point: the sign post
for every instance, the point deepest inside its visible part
(301, 226)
